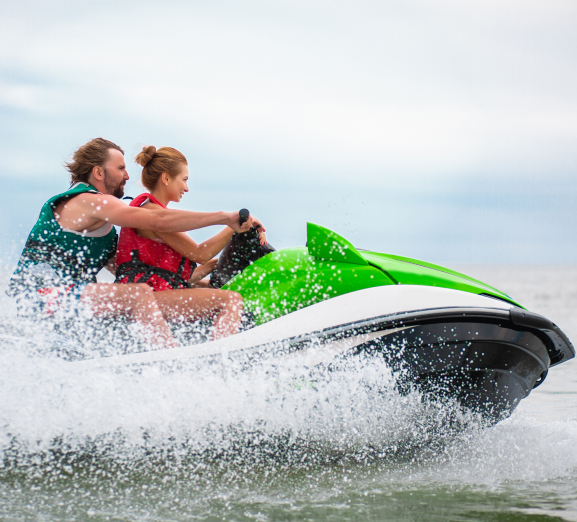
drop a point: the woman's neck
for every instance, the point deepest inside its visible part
(161, 196)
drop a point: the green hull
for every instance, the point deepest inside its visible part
(294, 278)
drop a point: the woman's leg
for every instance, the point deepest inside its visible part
(133, 300)
(224, 306)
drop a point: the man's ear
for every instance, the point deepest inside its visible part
(98, 173)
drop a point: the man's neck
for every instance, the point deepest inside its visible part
(98, 185)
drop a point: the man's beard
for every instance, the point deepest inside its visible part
(114, 189)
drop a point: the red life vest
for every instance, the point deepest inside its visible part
(142, 260)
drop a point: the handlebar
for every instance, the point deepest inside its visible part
(243, 215)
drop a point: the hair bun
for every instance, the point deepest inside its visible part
(144, 157)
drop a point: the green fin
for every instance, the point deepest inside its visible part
(327, 245)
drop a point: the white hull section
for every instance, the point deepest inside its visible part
(347, 309)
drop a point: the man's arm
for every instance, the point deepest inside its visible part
(89, 211)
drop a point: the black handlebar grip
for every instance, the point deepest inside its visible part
(243, 215)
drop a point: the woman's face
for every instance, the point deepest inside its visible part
(178, 185)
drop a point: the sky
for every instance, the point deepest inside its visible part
(437, 129)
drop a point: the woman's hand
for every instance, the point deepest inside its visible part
(254, 222)
(261, 231)
(201, 271)
(111, 265)
(246, 226)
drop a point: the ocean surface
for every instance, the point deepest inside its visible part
(277, 443)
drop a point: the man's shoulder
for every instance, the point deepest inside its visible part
(90, 197)
(77, 188)
(89, 208)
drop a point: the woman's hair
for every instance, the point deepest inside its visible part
(95, 153)
(156, 161)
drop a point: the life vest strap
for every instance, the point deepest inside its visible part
(131, 269)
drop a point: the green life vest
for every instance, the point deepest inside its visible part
(55, 256)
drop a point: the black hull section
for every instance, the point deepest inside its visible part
(484, 359)
(492, 393)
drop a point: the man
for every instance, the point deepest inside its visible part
(74, 239)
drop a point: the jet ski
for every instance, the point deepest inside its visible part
(443, 332)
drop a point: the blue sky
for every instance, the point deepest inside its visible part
(444, 130)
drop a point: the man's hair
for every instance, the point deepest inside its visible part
(92, 154)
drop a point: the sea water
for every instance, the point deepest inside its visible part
(278, 441)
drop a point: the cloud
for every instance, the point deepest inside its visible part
(413, 89)
(412, 100)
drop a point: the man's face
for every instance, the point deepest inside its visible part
(115, 174)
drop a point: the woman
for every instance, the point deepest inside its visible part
(168, 261)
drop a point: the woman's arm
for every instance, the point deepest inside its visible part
(185, 245)
(201, 271)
